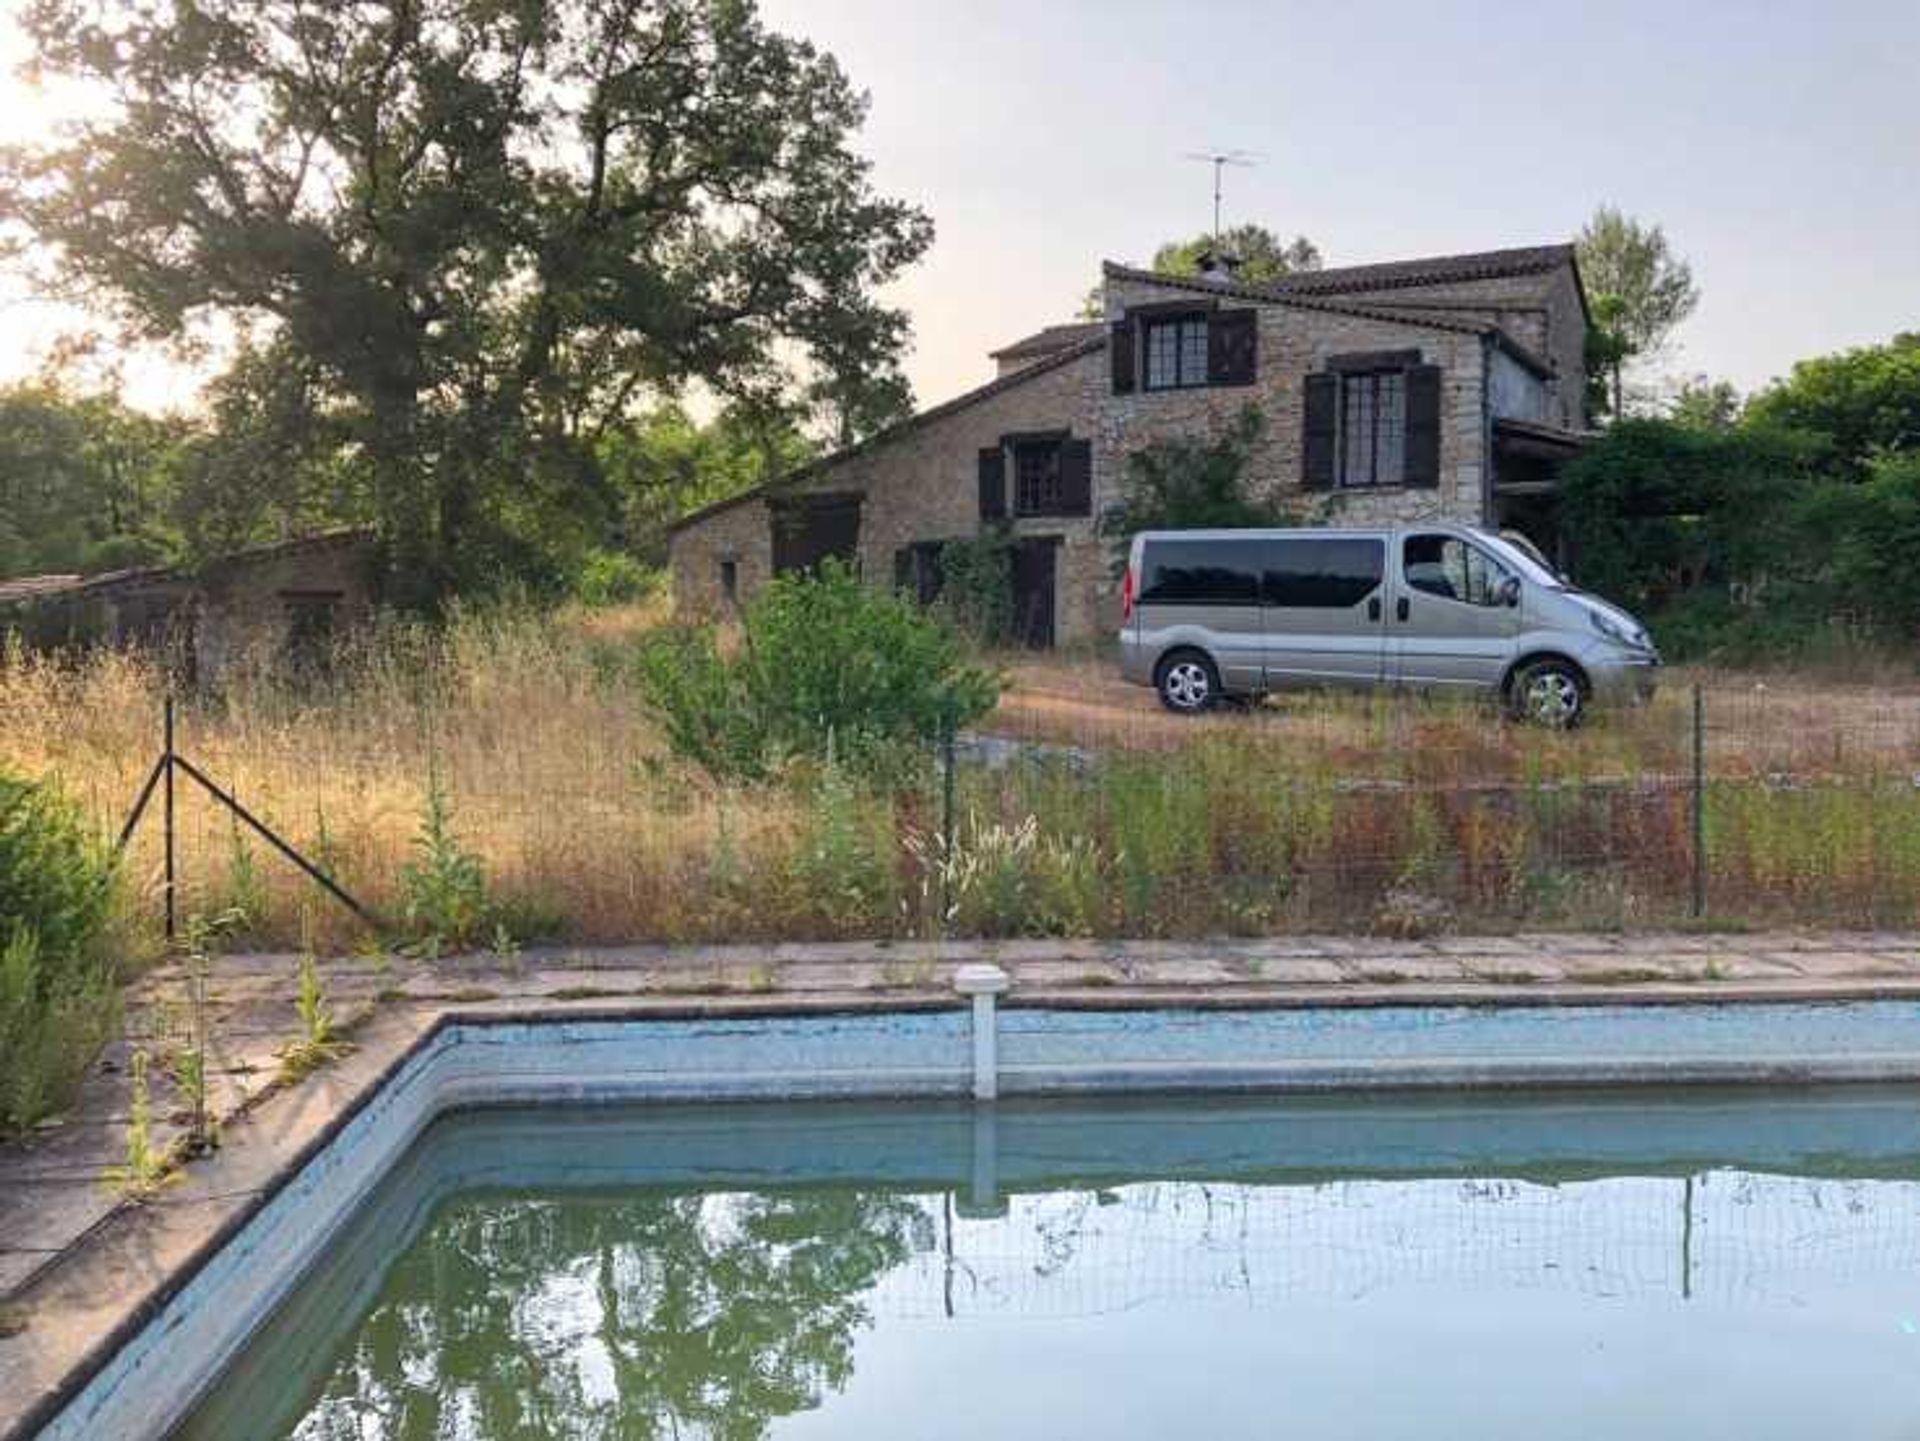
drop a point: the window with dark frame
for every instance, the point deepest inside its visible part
(1037, 488)
(1176, 352)
(730, 578)
(1373, 428)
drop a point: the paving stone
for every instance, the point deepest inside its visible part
(1185, 973)
(1840, 965)
(1395, 970)
(1515, 968)
(1300, 971)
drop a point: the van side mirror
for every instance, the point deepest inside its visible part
(1510, 591)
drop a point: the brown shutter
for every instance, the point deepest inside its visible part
(1231, 340)
(1423, 425)
(1120, 351)
(993, 483)
(1320, 431)
(1076, 477)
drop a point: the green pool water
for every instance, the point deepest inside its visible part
(1694, 1265)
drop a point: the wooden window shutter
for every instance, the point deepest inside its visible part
(1120, 351)
(1231, 342)
(1076, 477)
(993, 483)
(1423, 425)
(1320, 431)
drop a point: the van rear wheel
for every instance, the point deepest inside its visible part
(1188, 683)
(1549, 693)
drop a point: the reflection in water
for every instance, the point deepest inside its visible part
(869, 1271)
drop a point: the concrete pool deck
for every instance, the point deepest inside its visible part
(80, 1267)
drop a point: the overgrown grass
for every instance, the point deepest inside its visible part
(1109, 819)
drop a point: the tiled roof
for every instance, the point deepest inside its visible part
(1392, 314)
(1049, 340)
(1429, 270)
(35, 587)
(1095, 342)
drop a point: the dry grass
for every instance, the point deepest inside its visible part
(560, 782)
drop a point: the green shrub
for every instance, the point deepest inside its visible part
(612, 577)
(827, 667)
(444, 896)
(55, 878)
(55, 1015)
(976, 586)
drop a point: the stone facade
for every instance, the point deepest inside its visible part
(1506, 332)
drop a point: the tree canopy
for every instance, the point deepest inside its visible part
(460, 239)
(1262, 254)
(1640, 292)
(1865, 401)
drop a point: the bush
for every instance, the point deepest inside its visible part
(976, 586)
(55, 879)
(58, 1003)
(612, 577)
(445, 900)
(827, 668)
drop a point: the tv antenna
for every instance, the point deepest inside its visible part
(1220, 160)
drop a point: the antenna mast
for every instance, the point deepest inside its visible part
(1219, 160)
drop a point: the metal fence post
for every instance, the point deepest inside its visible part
(166, 760)
(1699, 803)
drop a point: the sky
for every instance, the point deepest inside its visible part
(1777, 142)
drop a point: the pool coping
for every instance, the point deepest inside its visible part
(178, 1233)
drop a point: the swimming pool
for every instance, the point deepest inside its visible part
(1637, 1263)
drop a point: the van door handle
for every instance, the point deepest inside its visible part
(1373, 608)
(1400, 608)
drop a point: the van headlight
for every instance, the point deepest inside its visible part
(1614, 631)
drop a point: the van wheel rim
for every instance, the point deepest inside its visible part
(1187, 685)
(1553, 698)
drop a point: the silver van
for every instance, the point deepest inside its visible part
(1218, 613)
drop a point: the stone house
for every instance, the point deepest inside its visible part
(287, 599)
(1444, 388)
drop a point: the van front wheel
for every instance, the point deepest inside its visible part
(1188, 683)
(1549, 693)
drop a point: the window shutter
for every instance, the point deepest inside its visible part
(903, 568)
(1076, 477)
(1120, 350)
(1320, 431)
(993, 483)
(1231, 341)
(1423, 425)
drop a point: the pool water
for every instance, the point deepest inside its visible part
(1592, 1265)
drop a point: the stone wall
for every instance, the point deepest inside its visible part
(920, 483)
(1293, 342)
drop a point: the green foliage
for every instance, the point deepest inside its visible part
(1638, 288)
(1191, 485)
(55, 1015)
(475, 234)
(83, 482)
(613, 577)
(664, 464)
(444, 893)
(827, 667)
(1703, 404)
(1655, 509)
(839, 875)
(1864, 402)
(55, 878)
(1874, 529)
(976, 586)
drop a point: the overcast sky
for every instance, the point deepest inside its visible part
(1779, 143)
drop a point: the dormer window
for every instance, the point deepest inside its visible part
(1176, 347)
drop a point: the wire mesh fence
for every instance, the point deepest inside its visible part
(1075, 808)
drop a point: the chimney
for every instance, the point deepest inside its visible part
(1217, 265)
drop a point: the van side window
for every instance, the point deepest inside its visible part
(1331, 574)
(1200, 572)
(1446, 566)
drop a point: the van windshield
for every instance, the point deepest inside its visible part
(1516, 559)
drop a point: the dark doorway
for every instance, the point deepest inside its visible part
(809, 528)
(1033, 570)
